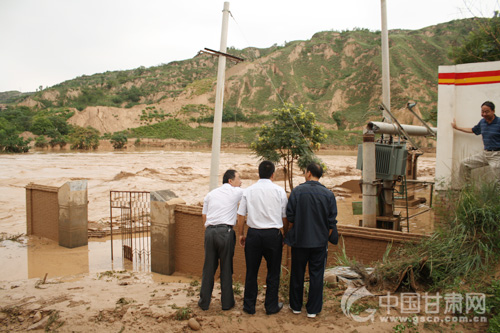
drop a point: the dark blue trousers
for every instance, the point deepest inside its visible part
(267, 243)
(316, 257)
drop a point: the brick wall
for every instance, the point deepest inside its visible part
(42, 211)
(365, 245)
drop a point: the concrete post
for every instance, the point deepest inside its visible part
(219, 102)
(163, 231)
(73, 214)
(369, 177)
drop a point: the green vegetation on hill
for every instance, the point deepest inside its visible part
(7, 97)
(336, 75)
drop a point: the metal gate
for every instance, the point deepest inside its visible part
(132, 214)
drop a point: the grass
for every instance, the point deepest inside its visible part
(183, 313)
(237, 288)
(464, 247)
(53, 322)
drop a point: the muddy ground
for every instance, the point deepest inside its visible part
(86, 292)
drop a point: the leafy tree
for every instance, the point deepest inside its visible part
(10, 141)
(60, 125)
(482, 44)
(118, 140)
(41, 142)
(20, 117)
(291, 136)
(84, 138)
(42, 126)
(60, 140)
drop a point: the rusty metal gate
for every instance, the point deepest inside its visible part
(132, 216)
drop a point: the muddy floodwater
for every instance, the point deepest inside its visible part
(186, 173)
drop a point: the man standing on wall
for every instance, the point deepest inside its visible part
(489, 128)
(312, 212)
(219, 216)
(264, 205)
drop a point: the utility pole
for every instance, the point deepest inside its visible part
(219, 101)
(386, 77)
(387, 193)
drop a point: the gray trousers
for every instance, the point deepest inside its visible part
(482, 159)
(219, 245)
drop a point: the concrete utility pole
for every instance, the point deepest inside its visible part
(386, 99)
(219, 101)
(386, 77)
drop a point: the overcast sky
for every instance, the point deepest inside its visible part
(45, 42)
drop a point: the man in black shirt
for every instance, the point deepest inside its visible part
(312, 212)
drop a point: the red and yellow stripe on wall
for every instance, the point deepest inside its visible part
(466, 79)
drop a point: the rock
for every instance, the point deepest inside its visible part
(39, 325)
(3, 316)
(331, 278)
(194, 324)
(37, 317)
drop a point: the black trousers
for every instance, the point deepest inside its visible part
(267, 243)
(316, 257)
(219, 245)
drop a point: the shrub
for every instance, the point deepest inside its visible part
(464, 246)
(41, 142)
(59, 140)
(84, 138)
(10, 141)
(118, 140)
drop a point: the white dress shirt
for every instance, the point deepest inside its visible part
(220, 205)
(265, 204)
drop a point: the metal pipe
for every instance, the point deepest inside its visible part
(219, 101)
(385, 128)
(369, 179)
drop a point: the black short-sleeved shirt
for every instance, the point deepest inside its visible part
(313, 211)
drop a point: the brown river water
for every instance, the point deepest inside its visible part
(185, 172)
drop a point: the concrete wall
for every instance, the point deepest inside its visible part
(462, 89)
(365, 245)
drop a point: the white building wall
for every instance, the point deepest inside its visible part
(461, 91)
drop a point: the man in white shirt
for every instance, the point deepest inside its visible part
(219, 216)
(264, 205)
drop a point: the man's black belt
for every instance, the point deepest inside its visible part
(494, 149)
(220, 226)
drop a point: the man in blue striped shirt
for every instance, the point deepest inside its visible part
(489, 128)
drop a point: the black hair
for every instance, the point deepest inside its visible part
(490, 105)
(315, 169)
(229, 174)
(266, 169)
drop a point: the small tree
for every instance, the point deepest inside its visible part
(41, 142)
(292, 136)
(59, 140)
(118, 140)
(10, 141)
(84, 138)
